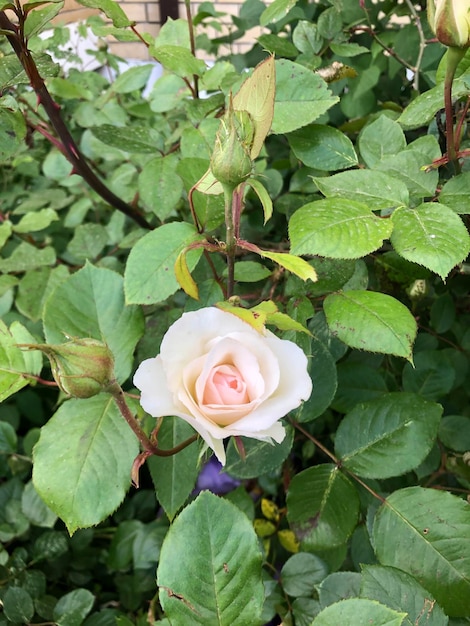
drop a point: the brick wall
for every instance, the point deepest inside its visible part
(146, 14)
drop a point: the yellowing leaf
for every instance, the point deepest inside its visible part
(256, 319)
(288, 540)
(256, 96)
(270, 510)
(183, 276)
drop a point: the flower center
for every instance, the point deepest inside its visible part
(225, 385)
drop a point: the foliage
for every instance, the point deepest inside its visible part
(347, 234)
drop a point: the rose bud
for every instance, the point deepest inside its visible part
(450, 21)
(81, 367)
(231, 162)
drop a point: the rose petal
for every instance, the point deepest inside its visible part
(188, 338)
(155, 397)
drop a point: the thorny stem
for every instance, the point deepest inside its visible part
(192, 43)
(69, 147)
(336, 461)
(115, 390)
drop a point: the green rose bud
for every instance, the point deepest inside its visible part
(231, 162)
(81, 367)
(450, 21)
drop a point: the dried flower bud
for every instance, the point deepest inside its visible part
(450, 21)
(231, 162)
(81, 367)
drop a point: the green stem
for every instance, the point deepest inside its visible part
(230, 239)
(454, 56)
(115, 390)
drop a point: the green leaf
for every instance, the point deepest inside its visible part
(301, 97)
(260, 457)
(401, 592)
(322, 507)
(277, 45)
(388, 436)
(432, 376)
(90, 303)
(35, 221)
(454, 193)
(12, 72)
(14, 362)
(431, 235)
(454, 432)
(38, 19)
(323, 147)
(160, 187)
(138, 139)
(35, 510)
(72, 608)
(383, 137)
(424, 107)
(410, 167)
(8, 439)
(301, 573)
(376, 190)
(26, 257)
(263, 195)
(178, 60)
(83, 460)
(174, 477)
(149, 276)
(35, 287)
(111, 9)
(356, 611)
(88, 241)
(12, 132)
(211, 547)
(256, 96)
(250, 272)
(339, 586)
(426, 533)
(371, 321)
(337, 228)
(135, 78)
(357, 382)
(348, 49)
(276, 11)
(18, 605)
(322, 369)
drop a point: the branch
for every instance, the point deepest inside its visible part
(70, 149)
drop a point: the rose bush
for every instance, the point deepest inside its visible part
(224, 378)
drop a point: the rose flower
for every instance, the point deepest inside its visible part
(224, 378)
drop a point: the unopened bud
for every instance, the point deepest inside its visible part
(450, 21)
(231, 162)
(81, 367)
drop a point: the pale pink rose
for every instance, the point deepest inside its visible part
(224, 378)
